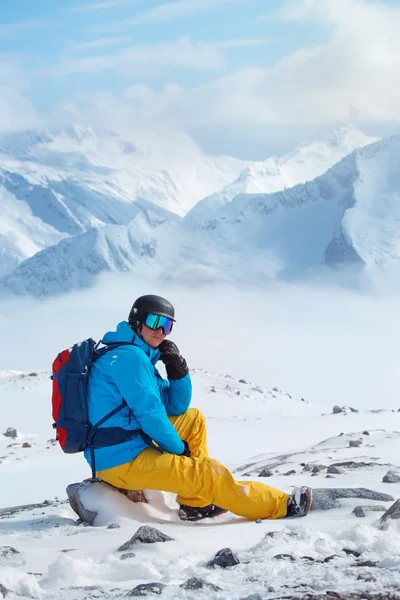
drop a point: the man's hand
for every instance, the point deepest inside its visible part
(175, 364)
(186, 451)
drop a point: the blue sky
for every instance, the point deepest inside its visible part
(214, 68)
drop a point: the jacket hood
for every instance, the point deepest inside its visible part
(124, 333)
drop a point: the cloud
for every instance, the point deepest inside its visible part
(12, 30)
(96, 6)
(143, 59)
(170, 11)
(16, 111)
(353, 77)
(73, 48)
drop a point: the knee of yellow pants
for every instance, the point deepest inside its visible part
(195, 414)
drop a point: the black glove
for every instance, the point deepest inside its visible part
(175, 364)
(186, 451)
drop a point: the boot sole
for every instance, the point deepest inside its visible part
(201, 518)
(309, 501)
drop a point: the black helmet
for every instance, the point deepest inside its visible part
(149, 304)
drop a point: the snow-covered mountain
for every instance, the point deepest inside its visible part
(347, 216)
(62, 183)
(283, 172)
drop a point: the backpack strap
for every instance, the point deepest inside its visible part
(97, 353)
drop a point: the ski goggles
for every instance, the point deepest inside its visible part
(157, 321)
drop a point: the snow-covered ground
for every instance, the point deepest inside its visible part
(250, 428)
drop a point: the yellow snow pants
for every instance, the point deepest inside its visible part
(198, 480)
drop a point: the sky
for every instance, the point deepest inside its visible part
(243, 77)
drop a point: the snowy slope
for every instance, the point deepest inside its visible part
(349, 215)
(67, 181)
(280, 173)
(45, 553)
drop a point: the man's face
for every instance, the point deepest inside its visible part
(152, 337)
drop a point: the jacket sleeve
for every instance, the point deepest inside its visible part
(133, 374)
(177, 394)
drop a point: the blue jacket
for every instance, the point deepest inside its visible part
(129, 372)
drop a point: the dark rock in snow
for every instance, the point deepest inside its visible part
(291, 472)
(333, 470)
(7, 551)
(224, 558)
(289, 557)
(308, 558)
(197, 583)
(11, 433)
(337, 409)
(242, 381)
(391, 477)
(366, 563)
(352, 464)
(3, 590)
(361, 511)
(265, 473)
(114, 526)
(146, 535)
(73, 492)
(254, 596)
(350, 552)
(318, 468)
(329, 558)
(26, 445)
(127, 555)
(365, 432)
(355, 443)
(324, 499)
(392, 513)
(32, 374)
(144, 589)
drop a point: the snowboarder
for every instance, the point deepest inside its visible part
(171, 452)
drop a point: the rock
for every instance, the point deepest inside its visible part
(289, 557)
(258, 389)
(73, 492)
(391, 477)
(318, 468)
(329, 558)
(392, 513)
(11, 433)
(324, 499)
(333, 470)
(265, 473)
(352, 464)
(114, 526)
(224, 558)
(242, 381)
(350, 552)
(3, 590)
(145, 535)
(365, 432)
(291, 472)
(144, 589)
(355, 443)
(197, 583)
(308, 558)
(366, 563)
(26, 445)
(33, 374)
(127, 555)
(254, 596)
(7, 551)
(213, 390)
(259, 521)
(337, 409)
(361, 511)
(353, 410)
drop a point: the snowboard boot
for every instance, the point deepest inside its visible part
(299, 502)
(194, 513)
